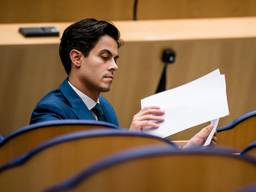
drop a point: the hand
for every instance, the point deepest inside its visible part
(147, 118)
(200, 137)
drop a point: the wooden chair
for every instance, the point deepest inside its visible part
(239, 133)
(64, 156)
(250, 150)
(24, 139)
(165, 169)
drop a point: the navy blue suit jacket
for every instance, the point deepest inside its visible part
(64, 103)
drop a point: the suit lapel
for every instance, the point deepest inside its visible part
(76, 103)
(108, 115)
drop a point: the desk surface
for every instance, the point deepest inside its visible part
(150, 30)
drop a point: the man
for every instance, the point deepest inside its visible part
(89, 51)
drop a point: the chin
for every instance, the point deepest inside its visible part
(105, 89)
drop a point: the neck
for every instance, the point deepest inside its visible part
(84, 89)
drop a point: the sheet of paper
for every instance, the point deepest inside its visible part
(214, 124)
(191, 104)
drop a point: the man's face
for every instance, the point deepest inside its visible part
(97, 69)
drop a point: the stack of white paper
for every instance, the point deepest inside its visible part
(192, 104)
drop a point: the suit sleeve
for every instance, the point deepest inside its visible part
(47, 113)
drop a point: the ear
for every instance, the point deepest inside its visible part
(76, 57)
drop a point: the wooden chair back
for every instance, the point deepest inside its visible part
(165, 169)
(64, 156)
(250, 150)
(239, 133)
(25, 139)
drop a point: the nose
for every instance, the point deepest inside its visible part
(113, 65)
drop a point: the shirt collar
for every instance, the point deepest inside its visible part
(89, 102)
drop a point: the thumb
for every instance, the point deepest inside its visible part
(200, 137)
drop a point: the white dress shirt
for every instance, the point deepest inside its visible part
(89, 102)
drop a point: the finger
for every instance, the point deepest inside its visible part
(153, 111)
(200, 137)
(203, 133)
(151, 118)
(146, 125)
(151, 107)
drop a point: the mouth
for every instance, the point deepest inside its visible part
(108, 77)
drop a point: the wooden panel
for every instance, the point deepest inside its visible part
(170, 9)
(234, 57)
(15, 11)
(26, 74)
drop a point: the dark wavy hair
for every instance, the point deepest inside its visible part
(83, 36)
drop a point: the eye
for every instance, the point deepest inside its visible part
(116, 59)
(105, 57)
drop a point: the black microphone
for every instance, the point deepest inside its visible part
(168, 57)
